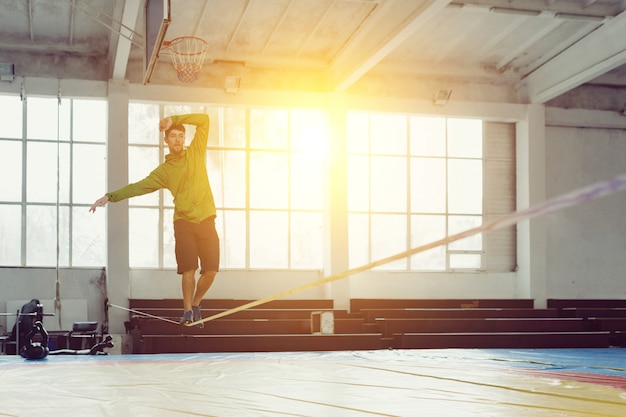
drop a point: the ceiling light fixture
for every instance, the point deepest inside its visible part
(231, 84)
(7, 72)
(442, 97)
(523, 12)
(581, 17)
(455, 5)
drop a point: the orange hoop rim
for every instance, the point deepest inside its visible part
(175, 41)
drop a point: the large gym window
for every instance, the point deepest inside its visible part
(54, 153)
(414, 180)
(411, 180)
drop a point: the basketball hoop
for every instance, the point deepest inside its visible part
(187, 55)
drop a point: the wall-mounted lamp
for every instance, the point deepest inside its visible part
(510, 10)
(231, 84)
(442, 97)
(7, 72)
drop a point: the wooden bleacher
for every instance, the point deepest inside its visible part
(286, 325)
(607, 315)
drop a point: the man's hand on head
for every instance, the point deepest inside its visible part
(165, 123)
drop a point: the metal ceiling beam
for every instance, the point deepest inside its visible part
(122, 53)
(201, 18)
(277, 26)
(72, 25)
(581, 8)
(559, 47)
(242, 16)
(31, 28)
(51, 47)
(316, 27)
(549, 26)
(457, 37)
(386, 29)
(599, 52)
(99, 16)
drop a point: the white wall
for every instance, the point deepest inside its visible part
(586, 243)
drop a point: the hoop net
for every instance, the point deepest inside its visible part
(187, 55)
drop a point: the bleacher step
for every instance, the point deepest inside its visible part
(509, 340)
(247, 327)
(287, 325)
(261, 343)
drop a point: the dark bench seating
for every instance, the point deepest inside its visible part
(281, 325)
(389, 327)
(260, 343)
(256, 326)
(562, 303)
(285, 325)
(605, 314)
(592, 312)
(612, 324)
(509, 340)
(226, 304)
(370, 315)
(255, 313)
(357, 304)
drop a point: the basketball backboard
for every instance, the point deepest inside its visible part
(157, 20)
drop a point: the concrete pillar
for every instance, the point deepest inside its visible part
(531, 190)
(118, 271)
(336, 206)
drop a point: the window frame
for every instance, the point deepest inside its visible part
(62, 136)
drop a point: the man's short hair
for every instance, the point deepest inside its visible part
(175, 127)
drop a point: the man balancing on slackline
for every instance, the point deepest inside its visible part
(184, 173)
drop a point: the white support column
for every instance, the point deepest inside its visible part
(531, 190)
(118, 271)
(336, 206)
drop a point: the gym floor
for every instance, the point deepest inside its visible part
(442, 382)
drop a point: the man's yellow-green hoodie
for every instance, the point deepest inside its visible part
(185, 175)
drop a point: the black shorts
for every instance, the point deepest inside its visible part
(197, 241)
